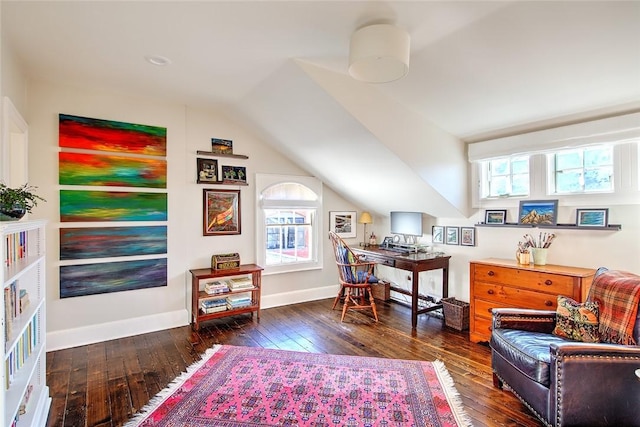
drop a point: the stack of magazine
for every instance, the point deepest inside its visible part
(213, 305)
(240, 283)
(216, 288)
(239, 301)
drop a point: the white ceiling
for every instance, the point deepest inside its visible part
(479, 69)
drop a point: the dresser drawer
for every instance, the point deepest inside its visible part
(534, 280)
(509, 296)
(482, 328)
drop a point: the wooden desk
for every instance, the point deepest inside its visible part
(415, 263)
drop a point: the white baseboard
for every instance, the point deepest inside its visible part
(68, 338)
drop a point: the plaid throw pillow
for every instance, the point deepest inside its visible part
(576, 321)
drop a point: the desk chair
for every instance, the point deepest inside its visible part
(356, 278)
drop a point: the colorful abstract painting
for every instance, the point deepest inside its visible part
(88, 206)
(91, 279)
(105, 242)
(103, 170)
(108, 135)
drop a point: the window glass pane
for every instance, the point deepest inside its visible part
(568, 159)
(569, 181)
(288, 191)
(499, 167)
(288, 236)
(599, 156)
(498, 186)
(520, 185)
(598, 179)
(520, 166)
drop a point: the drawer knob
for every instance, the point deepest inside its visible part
(490, 310)
(490, 291)
(548, 303)
(491, 273)
(548, 282)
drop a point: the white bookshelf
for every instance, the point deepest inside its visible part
(23, 330)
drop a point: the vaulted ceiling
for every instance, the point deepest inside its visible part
(479, 70)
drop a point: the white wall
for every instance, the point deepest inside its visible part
(79, 320)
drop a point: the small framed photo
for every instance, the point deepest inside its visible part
(221, 146)
(234, 174)
(343, 223)
(468, 236)
(207, 171)
(495, 216)
(533, 212)
(437, 234)
(592, 217)
(452, 236)
(221, 212)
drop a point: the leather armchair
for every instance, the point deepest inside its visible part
(565, 382)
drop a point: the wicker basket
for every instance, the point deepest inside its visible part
(456, 313)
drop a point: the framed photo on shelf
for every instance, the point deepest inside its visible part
(234, 174)
(437, 234)
(495, 216)
(453, 237)
(343, 223)
(207, 171)
(592, 217)
(221, 212)
(468, 236)
(532, 212)
(221, 146)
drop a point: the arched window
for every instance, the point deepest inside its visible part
(289, 222)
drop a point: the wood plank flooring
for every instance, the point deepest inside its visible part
(104, 384)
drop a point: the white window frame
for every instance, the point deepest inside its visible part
(264, 181)
(486, 178)
(551, 174)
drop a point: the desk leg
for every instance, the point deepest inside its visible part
(445, 282)
(414, 298)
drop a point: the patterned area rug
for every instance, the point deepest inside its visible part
(247, 386)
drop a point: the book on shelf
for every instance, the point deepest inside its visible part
(241, 283)
(213, 302)
(215, 309)
(24, 300)
(239, 300)
(216, 287)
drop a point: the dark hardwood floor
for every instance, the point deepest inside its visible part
(104, 384)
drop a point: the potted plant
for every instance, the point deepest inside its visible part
(16, 202)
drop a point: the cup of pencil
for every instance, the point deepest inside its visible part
(539, 247)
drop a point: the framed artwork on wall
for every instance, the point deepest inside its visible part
(495, 216)
(592, 217)
(452, 236)
(437, 234)
(343, 223)
(468, 236)
(534, 212)
(221, 212)
(207, 171)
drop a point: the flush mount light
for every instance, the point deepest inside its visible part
(379, 54)
(158, 60)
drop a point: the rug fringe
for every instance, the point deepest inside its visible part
(169, 389)
(453, 396)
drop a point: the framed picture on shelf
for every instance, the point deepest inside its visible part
(234, 174)
(437, 234)
(207, 171)
(592, 217)
(495, 216)
(533, 212)
(343, 223)
(468, 236)
(221, 212)
(221, 146)
(452, 236)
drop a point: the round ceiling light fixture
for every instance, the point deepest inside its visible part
(379, 53)
(158, 60)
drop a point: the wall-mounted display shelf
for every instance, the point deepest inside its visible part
(610, 227)
(212, 154)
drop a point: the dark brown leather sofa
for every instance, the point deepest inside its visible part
(564, 382)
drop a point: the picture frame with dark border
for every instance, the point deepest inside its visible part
(343, 223)
(468, 236)
(437, 234)
(207, 171)
(234, 174)
(495, 216)
(453, 235)
(221, 146)
(592, 217)
(221, 212)
(538, 212)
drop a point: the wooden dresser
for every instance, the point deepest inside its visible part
(504, 283)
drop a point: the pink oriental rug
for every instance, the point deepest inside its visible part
(247, 386)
